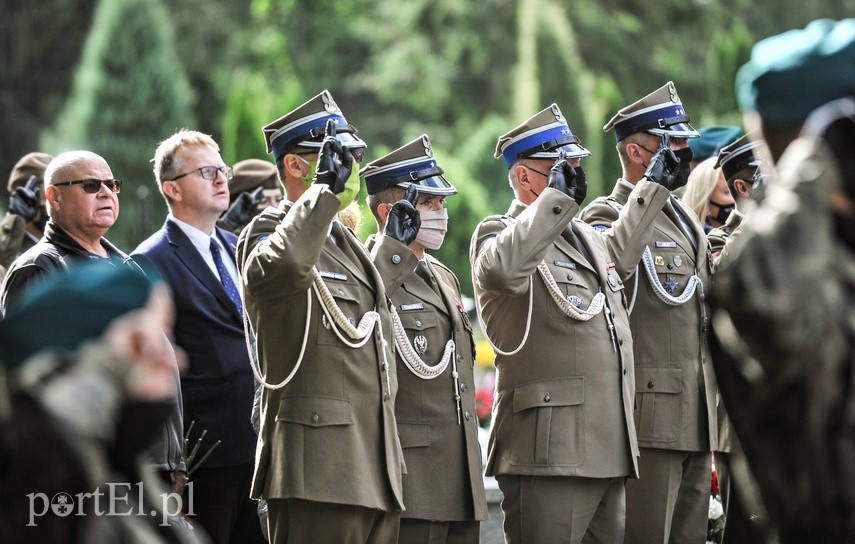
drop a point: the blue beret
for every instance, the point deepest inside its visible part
(411, 163)
(791, 74)
(712, 139)
(64, 309)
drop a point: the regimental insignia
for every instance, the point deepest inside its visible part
(575, 301)
(420, 344)
(659, 260)
(671, 285)
(678, 260)
(329, 103)
(426, 144)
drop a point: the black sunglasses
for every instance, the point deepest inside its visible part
(93, 185)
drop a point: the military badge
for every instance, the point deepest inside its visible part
(671, 285)
(659, 260)
(575, 301)
(420, 344)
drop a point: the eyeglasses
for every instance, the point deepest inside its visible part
(93, 185)
(210, 173)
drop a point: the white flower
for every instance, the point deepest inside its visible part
(716, 509)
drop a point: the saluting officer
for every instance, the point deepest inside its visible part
(435, 406)
(675, 385)
(328, 461)
(549, 291)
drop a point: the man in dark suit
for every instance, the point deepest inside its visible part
(329, 460)
(197, 259)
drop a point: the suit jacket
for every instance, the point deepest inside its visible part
(564, 402)
(330, 434)
(443, 457)
(218, 384)
(675, 383)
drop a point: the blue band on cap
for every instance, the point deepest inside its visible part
(283, 141)
(512, 153)
(648, 120)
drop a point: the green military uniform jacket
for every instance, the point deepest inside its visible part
(564, 403)
(329, 435)
(444, 479)
(13, 240)
(674, 378)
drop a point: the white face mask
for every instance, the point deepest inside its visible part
(433, 229)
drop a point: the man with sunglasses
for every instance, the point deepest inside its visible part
(83, 203)
(197, 259)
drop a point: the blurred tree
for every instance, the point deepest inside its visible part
(39, 46)
(129, 93)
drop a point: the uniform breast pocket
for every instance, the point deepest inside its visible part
(345, 296)
(549, 423)
(422, 332)
(673, 269)
(572, 287)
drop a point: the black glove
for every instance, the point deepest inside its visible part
(334, 161)
(563, 177)
(403, 221)
(24, 201)
(663, 168)
(243, 209)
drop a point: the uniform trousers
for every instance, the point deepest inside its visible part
(562, 509)
(422, 531)
(298, 521)
(670, 502)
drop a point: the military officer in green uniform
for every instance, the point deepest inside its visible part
(784, 296)
(435, 406)
(674, 380)
(329, 461)
(550, 293)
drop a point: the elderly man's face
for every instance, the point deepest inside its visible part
(75, 210)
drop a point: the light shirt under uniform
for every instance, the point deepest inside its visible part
(202, 242)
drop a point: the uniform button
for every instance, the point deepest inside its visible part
(556, 210)
(341, 292)
(462, 387)
(670, 266)
(640, 200)
(466, 416)
(620, 341)
(624, 371)
(315, 417)
(396, 259)
(547, 398)
(650, 385)
(418, 323)
(569, 277)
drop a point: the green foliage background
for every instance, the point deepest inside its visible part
(117, 76)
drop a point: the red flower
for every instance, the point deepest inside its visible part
(483, 403)
(714, 483)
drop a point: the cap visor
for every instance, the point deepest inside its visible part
(434, 185)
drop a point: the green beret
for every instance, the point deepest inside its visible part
(791, 74)
(31, 164)
(251, 174)
(712, 139)
(64, 309)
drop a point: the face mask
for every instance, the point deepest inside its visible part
(433, 229)
(724, 211)
(351, 186)
(685, 155)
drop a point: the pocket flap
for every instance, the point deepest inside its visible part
(418, 321)
(315, 411)
(343, 291)
(561, 392)
(414, 435)
(658, 380)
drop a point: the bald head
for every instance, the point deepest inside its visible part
(65, 166)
